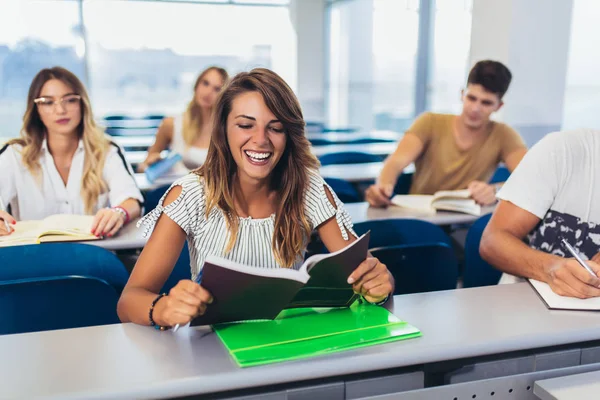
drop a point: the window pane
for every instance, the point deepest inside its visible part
(28, 43)
(452, 38)
(582, 95)
(371, 63)
(152, 68)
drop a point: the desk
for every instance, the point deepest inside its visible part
(378, 149)
(129, 361)
(349, 137)
(130, 237)
(579, 386)
(361, 212)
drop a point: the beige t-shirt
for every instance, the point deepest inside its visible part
(443, 166)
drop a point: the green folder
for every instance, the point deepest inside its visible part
(306, 332)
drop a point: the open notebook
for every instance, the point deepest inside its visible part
(55, 228)
(558, 302)
(447, 200)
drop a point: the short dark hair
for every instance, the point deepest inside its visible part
(492, 75)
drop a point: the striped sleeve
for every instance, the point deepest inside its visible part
(319, 209)
(187, 210)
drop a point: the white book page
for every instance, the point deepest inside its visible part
(419, 202)
(24, 232)
(466, 206)
(561, 302)
(68, 223)
(314, 259)
(284, 273)
(455, 194)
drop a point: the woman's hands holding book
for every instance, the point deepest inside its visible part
(185, 301)
(372, 280)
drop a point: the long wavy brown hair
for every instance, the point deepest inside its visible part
(192, 118)
(290, 177)
(95, 143)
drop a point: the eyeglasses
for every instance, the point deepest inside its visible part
(68, 102)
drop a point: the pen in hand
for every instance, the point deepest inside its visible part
(6, 224)
(578, 258)
(176, 327)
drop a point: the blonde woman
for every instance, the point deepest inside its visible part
(255, 201)
(63, 163)
(189, 134)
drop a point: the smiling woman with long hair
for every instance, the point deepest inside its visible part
(63, 163)
(255, 201)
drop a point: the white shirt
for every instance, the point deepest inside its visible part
(209, 235)
(558, 181)
(192, 157)
(30, 201)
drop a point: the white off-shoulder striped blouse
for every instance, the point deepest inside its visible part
(208, 235)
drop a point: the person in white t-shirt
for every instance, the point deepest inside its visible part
(552, 195)
(189, 134)
(63, 163)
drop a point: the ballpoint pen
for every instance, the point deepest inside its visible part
(6, 224)
(578, 258)
(176, 327)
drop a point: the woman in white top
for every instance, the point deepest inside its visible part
(189, 133)
(63, 163)
(255, 201)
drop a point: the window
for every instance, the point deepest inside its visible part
(151, 67)
(582, 94)
(449, 64)
(29, 43)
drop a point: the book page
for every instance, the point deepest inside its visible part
(418, 202)
(453, 194)
(25, 232)
(68, 224)
(467, 206)
(555, 301)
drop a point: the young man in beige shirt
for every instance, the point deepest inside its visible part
(456, 151)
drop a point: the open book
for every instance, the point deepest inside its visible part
(448, 200)
(55, 228)
(241, 292)
(557, 302)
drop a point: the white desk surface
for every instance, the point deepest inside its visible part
(350, 136)
(579, 386)
(129, 361)
(361, 212)
(129, 237)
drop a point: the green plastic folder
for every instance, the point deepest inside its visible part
(306, 332)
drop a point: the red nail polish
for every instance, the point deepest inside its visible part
(14, 222)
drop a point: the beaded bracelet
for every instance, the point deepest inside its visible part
(123, 212)
(151, 319)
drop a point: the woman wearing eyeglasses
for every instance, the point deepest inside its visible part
(63, 163)
(189, 134)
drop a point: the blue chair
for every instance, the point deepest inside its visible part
(478, 272)
(403, 184)
(62, 259)
(41, 304)
(181, 270)
(501, 175)
(344, 190)
(349, 157)
(152, 197)
(418, 268)
(391, 232)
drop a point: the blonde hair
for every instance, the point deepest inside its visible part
(95, 143)
(290, 177)
(192, 118)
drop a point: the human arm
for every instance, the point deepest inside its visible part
(185, 301)
(163, 139)
(502, 246)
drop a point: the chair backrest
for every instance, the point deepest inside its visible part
(41, 304)
(344, 190)
(478, 272)
(390, 232)
(62, 259)
(181, 270)
(420, 268)
(403, 183)
(152, 197)
(349, 157)
(501, 175)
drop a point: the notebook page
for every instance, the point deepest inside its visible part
(414, 202)
(556, 301)
(68, 223)
(25, 232)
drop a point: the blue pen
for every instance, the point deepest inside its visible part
(198, 280)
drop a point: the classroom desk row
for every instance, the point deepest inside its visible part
(496, 340)
(131, 237)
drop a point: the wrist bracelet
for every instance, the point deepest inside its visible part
(123, 212)
(151, 311)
